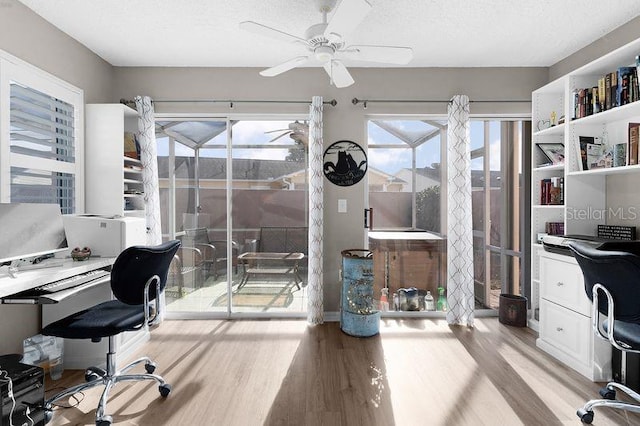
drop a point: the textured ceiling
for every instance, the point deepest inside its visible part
(442, 33)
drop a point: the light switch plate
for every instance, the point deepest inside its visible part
(342, 206)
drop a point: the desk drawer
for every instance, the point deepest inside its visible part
(562, 283)
(566, 330)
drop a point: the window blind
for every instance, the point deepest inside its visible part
(41, 125)
(42, 186)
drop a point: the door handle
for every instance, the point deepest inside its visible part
(368, 219)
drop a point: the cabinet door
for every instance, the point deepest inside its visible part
(566, 330)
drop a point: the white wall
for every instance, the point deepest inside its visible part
(619, 37)
(29, 37)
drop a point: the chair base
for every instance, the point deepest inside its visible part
(108, 378)
(609, 393)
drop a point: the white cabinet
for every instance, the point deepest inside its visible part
(592, 197)
(113, 182)
(565, 330)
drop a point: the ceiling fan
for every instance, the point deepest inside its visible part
(297, 131)
(325, 42)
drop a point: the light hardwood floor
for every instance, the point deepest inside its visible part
(283, 372)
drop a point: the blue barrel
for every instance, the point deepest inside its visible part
(359, 315)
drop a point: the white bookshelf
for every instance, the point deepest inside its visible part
(588, 196)
(113, 181)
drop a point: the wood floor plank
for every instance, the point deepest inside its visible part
(284, 372)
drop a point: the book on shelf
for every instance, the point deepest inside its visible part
(613, 89)
(620, 155)
(625, 75)
(601, 94)
(131, 146)
(590, 152)
(552, 191)
(633, 142)
(554, 228)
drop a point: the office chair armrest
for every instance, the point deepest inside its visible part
(148, 319)
(597, 288)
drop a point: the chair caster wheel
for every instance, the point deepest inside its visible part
(93, 373)
(585, 416)
(150, 367)
(105, 421)
(48, 415)
(165, 390)
(607, 393)
(90, 376)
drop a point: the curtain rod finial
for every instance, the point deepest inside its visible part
(355, 101)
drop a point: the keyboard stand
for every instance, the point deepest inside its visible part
(56, 297)
(30, 279)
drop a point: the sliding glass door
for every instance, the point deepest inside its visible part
(235, 193)
(497, 194)
(407, 193)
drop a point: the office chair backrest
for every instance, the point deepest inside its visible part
(135, 265)
(618, 271)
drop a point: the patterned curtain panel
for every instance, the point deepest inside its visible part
(315, 311)
(149, 159)
(459, 229)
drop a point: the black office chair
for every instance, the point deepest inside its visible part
(138, 275)
(612, 281)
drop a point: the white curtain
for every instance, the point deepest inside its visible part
(149, 159)
(460, 297)
(315, 310)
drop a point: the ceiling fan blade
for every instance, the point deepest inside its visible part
(346, 18)
(285, 66)
(383, 54)
(263, 30)
(338, 73)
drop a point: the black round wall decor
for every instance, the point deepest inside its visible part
(345, 163)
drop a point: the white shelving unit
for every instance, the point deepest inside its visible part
(113, 181)
(589, 196)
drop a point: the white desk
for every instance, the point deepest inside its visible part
(78, 353)
(32, 278)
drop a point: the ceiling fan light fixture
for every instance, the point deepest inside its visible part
(324, 53)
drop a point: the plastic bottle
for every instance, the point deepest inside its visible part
(442, 300)
(384, 300)
(429, 303)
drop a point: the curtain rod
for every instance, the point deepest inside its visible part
(332, 102)
(364, 102)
